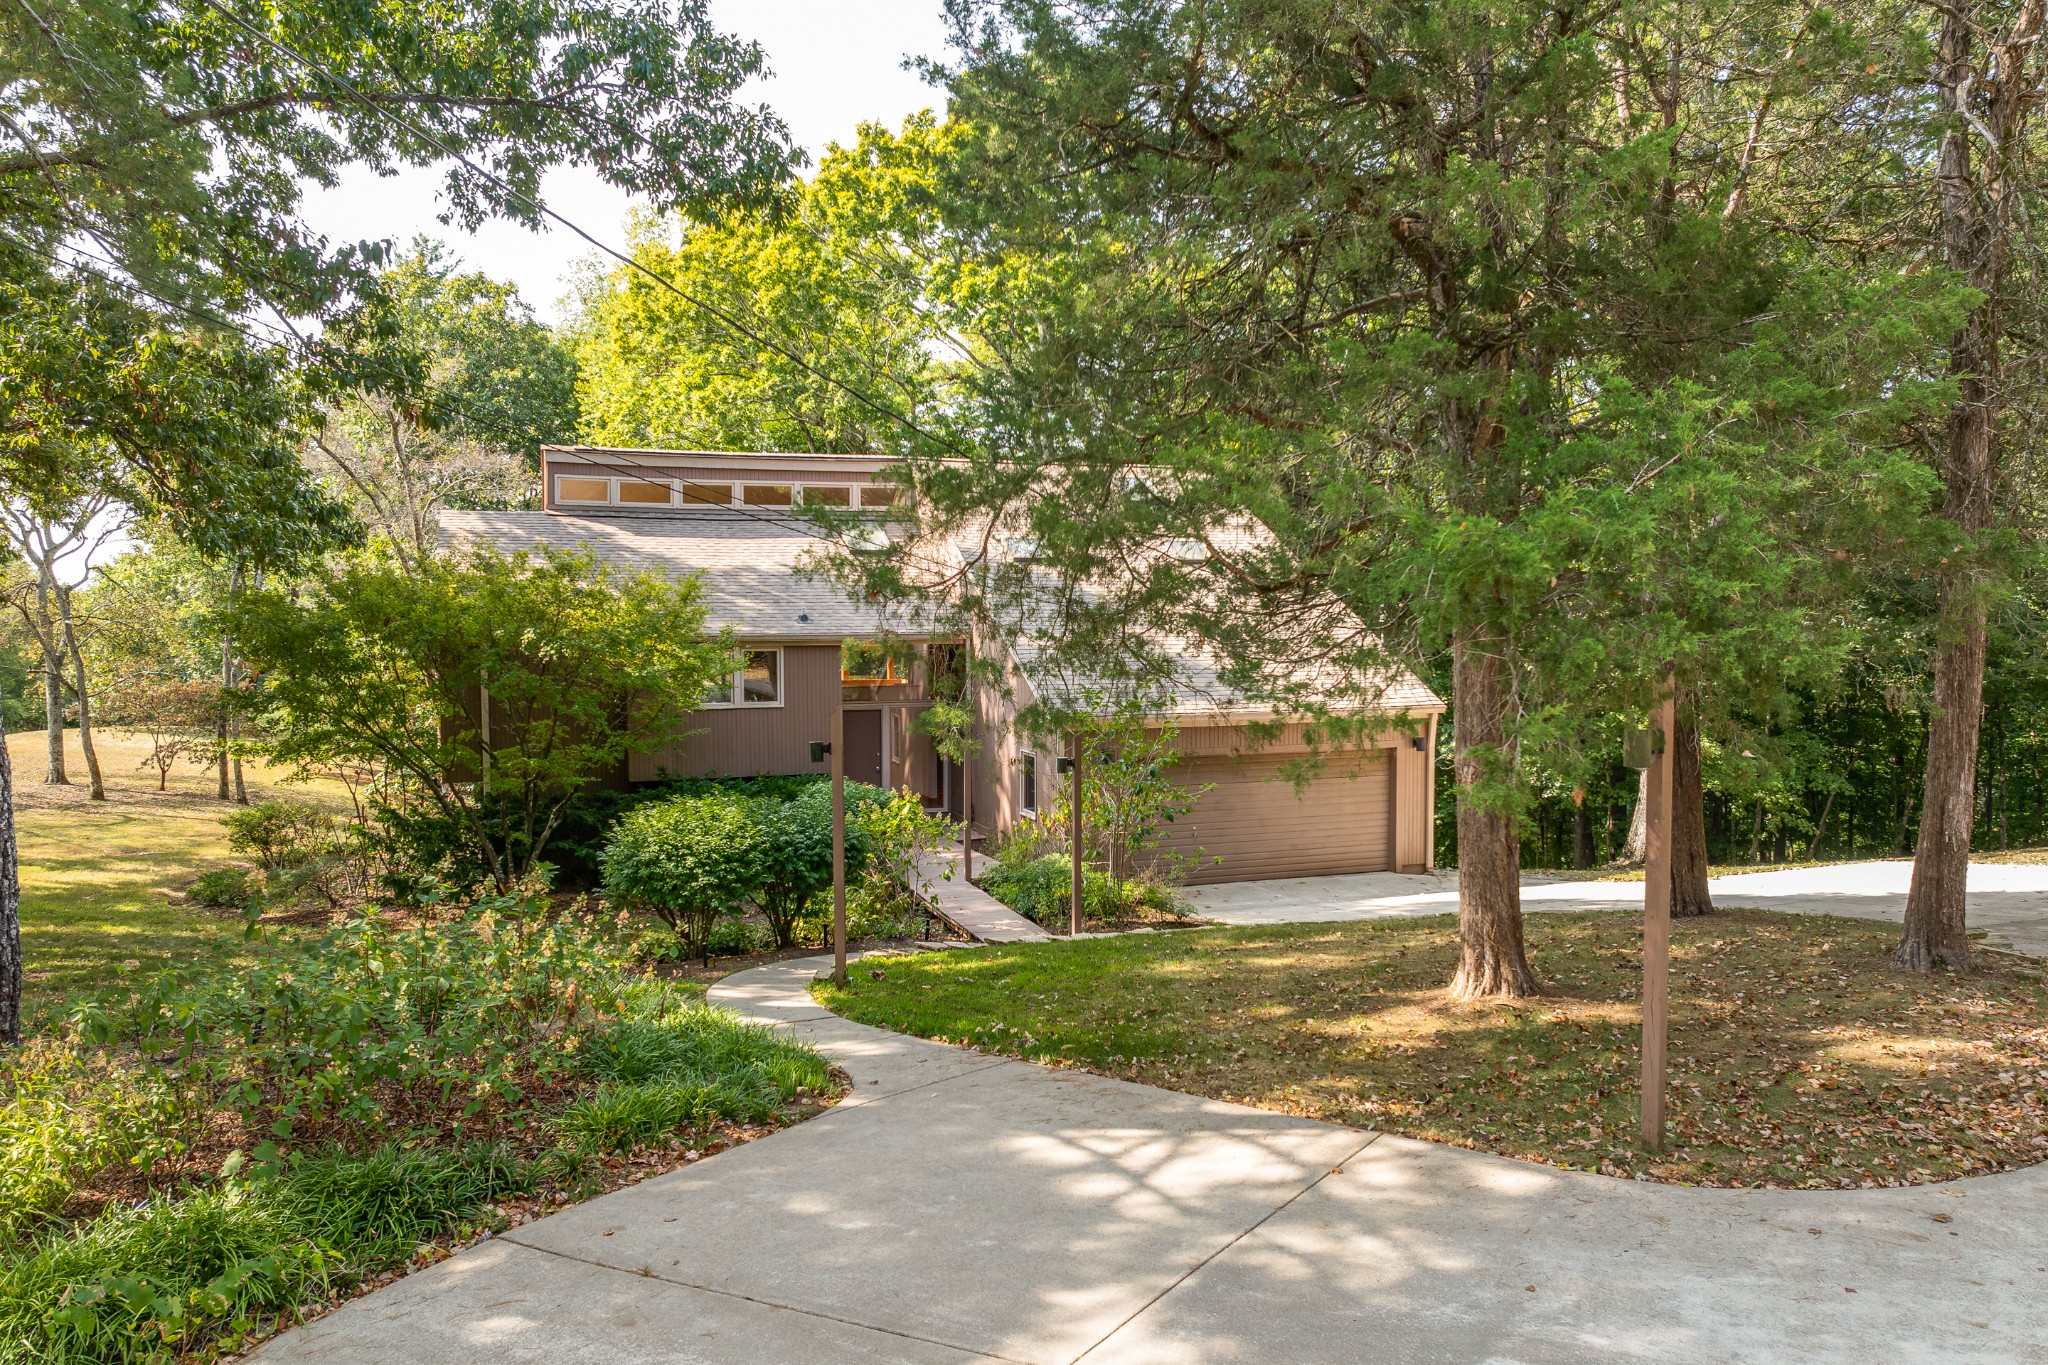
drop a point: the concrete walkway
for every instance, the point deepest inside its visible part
(966, 906)
(2009, 902)
(963, 1207)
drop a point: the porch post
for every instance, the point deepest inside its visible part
(839, 845)
(1074, 801)
(1657, 925)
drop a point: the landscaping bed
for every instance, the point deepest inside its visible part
(1799, 1056)
(218, 1154)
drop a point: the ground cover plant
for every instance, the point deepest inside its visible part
(1800, 1055)
(199, 1159)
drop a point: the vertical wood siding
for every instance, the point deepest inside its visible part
(743, 741)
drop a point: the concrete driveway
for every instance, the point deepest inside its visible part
(2008, 902)
(964, 1207)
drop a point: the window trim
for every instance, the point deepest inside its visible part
(1027, 772)
(893, 493)
(683, 487)
(736, 682)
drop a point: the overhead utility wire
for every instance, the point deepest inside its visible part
(631, 263)
(289, 343)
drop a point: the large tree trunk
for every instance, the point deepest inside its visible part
(1582, 835)
(1978, 203)
(1492, 961)
(1934, 933)
(1689, 894)
(10, 908)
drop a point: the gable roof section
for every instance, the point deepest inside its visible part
(750, 563)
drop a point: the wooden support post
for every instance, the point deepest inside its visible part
(1074, 800)
(839, 845)
(1657, 924)
(967, 814)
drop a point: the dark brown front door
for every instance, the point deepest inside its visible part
(864, 747)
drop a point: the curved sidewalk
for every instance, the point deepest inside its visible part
(960, 1207)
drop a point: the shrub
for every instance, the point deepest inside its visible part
(345, 1026)
(895, 832)
(65, 1116)
(1042, 890)
(689, 860)
(224, 888)
(796, 844)
(280, 834)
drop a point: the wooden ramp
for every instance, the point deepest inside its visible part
(967, 907)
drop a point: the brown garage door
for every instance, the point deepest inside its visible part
(1261, 826)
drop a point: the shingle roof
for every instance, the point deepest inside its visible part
(749, 562)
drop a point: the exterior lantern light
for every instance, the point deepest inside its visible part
(820, 748)
(1421, 743)
(1064, 765)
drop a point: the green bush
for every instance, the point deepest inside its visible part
(68, 1114)
(280, 834)
(690, 860)
(328, 1028)
(224, 888)
(1043, 890)
(796, 849)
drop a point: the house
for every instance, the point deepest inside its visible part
(807, 647)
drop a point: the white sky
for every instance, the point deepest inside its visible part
(835, 64)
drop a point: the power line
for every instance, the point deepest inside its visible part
(629, 262)
(452, 409)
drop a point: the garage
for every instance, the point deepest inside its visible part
(1261, 826)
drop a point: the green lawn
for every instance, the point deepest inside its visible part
(100, 881)
(1800, 1056)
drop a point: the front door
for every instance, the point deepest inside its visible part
(863, 759)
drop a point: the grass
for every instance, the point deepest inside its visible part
(101, 881)
(1800, 1057)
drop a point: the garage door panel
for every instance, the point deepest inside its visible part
(1261, 825)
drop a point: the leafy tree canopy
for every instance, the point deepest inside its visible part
(832, 286)
(490, 686)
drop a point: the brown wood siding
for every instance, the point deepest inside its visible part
(1260, 827)
(743, 741)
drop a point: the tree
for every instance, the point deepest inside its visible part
(60, 547)
(1987, 77)
(498, 385)
(830, 285)
(1349, 339)
(491, 687)
(158, 289)
(177, 718)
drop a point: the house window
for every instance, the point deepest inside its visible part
(569, 489)
(878, 495)
(767, 494)
(756, 682)
(707, 494)
(1030, 762)
(862, 661)
(827, 495)
(642, 493)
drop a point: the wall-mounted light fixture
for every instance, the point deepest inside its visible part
(1420, 742)
(819, 749)
(1065, 767)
